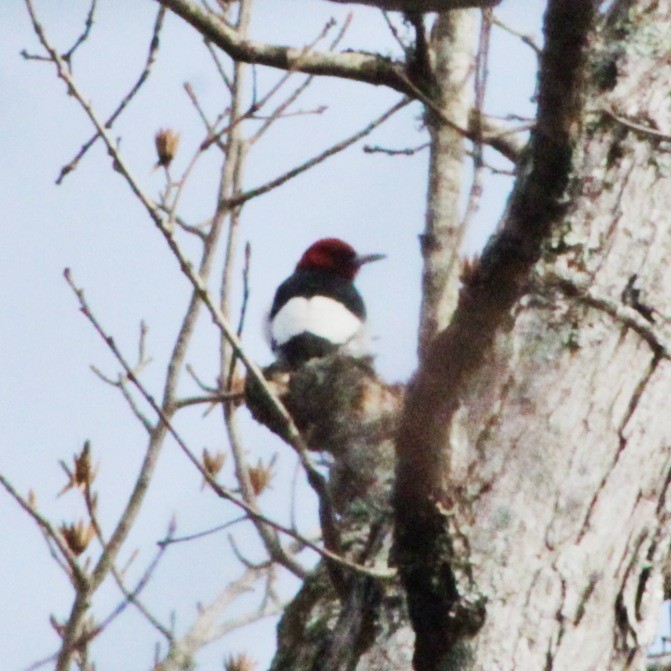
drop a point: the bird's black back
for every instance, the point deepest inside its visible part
(309, 283)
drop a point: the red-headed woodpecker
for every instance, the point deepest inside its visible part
(318, 310)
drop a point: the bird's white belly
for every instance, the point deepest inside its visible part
(319, 315)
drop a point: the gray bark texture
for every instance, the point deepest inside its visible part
(535, 448)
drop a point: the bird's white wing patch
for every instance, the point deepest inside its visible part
(319, 315)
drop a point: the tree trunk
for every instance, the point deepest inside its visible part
(341, 619)
(535, 451)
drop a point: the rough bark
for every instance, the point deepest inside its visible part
(535, 454)
(341, 620)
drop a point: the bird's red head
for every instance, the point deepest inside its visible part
(335, 256)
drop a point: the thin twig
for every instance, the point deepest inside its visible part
(395, 34)
(646, 130)
(151, 57)
(258, 104)
(408, 151)
(243, 310)
(84, 35)
(76, 573)
(527, 39)
(331, 151)
(289, 115)
(219, 66)
(131, 597)
(217, 397)
(201, 534)
(216, 487)
(278, 112)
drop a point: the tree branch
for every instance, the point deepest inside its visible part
(362, 67)
(422, 5)
(453, 43)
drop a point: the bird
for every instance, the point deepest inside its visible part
(317, 310)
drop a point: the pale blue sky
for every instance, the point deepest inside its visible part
(52, 402)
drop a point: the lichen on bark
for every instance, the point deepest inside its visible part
(349, 415)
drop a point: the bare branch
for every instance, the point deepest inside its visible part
(221, 397)
(279, 111)
(335, 149)
(151, 57)
(84, 35)
(526, 39)
(202, 534)
(408, 151)
(368, 68)
(216, 487)
(76, 573)
(208, 628)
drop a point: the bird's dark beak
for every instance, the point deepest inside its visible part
(367, 258)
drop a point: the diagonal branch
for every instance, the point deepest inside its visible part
(242, 198)
(77, 575)
(358, 66)
(422, 5)
(151, 57)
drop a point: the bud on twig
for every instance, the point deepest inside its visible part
(77, 536)
(240, 662)
(260, 477)
(83, 474)
(167, 143)
(212, 463)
